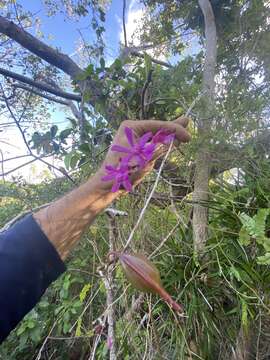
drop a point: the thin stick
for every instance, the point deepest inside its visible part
(124, 23)
(193, 104)
(165, 239)
(109, 285)
(149, 198)
(2, 165)
(144, 90)
(17, 122)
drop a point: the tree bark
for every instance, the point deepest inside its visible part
(37, 47)
(50, 55)
(39, 85)
(41, 94)
(203, 163)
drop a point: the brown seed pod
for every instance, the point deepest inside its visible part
(144, 276)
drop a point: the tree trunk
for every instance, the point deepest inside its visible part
(203, 163)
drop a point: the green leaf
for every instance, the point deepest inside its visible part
(244, 315)
(264, 260)
(66, 327)
(101, 15)
(102, 63)
(87, 96)
(244, 237)
(85, 148)
(74, 160)
(235, 273)
(78, 327)
(260, 219)
(67, 160)
(21, 329)
(65, 133)
(73, 122)
(53, 130)
(248, 222)
(84, 292)
(117, 64)
(31, 324)
(148, 64)
(23, 339)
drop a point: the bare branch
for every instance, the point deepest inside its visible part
(26, 142)
(37, 47)
(40, 85)
(18, 167)
(156, 61)
(38, 93)
(144, 90)
(2, 165)
(109, 285)
(148, 199)
(16, 157)
(124, 23)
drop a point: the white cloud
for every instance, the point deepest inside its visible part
(134, 16)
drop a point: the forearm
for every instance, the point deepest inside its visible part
(65, 220)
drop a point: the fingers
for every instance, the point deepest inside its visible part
(176, 127)
(182, 120)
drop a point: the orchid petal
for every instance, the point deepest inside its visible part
(127, 185)
(141, 161)
(143, 140)
(125, 160)
(115, 187)
(120, 148)
(163, 137)
(129, 135)
(110, 168)
(149, 151)
(108, 177)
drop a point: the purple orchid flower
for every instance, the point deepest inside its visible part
(141, 151)
(120, 176)
(163, 137)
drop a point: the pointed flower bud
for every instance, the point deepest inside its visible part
(144, 276)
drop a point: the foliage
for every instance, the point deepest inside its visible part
(224, 294)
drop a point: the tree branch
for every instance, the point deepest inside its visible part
(26, 142)
(124, 23)
(156, 61)
(211, 49)
(37, 47)
(38, 93)
(144, 90)
(40, 85)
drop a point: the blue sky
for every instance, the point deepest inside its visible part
(63, 33)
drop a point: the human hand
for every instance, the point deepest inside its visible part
(137, 166)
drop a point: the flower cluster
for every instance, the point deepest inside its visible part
(138, 154)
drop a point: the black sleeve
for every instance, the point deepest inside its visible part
(28, 265)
